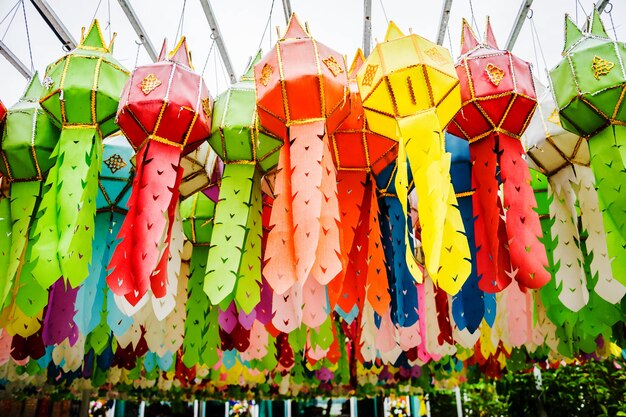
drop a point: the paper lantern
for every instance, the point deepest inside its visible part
(498, 101)
(199, 167)
(302, 95)
(96, 312)
(410, 92)
(589, 85)
(573, 205)
(165, 111)
(26, 146)
(81, 95)
(198, 213)
(234, 265)
(471, 304)
(359, 153)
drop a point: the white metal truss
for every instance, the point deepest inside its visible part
(519, 22)
(139, 30)
(217, 36)
(367, 27)
(443, 21)
(602, 5)
(15, 61)
(55, 24)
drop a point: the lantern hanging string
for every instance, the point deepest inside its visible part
(267, 25)
(206, 61)
(30, 49)
(382, 6)
(474, 24)
(181, 21)
(609, 10)
(537, 42)
(450, 41)
(96, 11)
(14, 9)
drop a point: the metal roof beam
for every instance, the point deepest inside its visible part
(139, 30)
(55, 24)
(602, 5)
(287, 10)
(15, 61)
(367, 27)
(519, 22)
(217, 35)
(443, 21)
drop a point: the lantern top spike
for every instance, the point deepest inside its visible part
(295, 30)
(597, 27)
(393, 32)
(572, 33)
(33, 89)
(248, 74)
(181, 54)
(490, 39)
(468, 38)
(93, 39)
(163, 53)
(357, 63)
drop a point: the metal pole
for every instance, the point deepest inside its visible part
(602, 5)
(519, 22)
(367, 27)
(139, 30)
(217, 35)
(84, 404)
(459, 404)
(142, 409)
(443, 21)
(287, 10)
(15, 61)
(55, 24)
(354, 408)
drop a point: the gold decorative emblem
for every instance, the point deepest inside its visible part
(333, 65)
(115, 163)
(368, 77)
(206, 107)
(554, 117)
(601, 67)
(266, 73)
(149, 83)
(495, 74)
(436, 56)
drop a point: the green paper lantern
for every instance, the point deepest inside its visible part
(81, 95)
(248, 152)
(26, 147)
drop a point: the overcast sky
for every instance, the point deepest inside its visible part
(336, 23)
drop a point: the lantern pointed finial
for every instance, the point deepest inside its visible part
(94, 38)
(163, 53)
(572, 33)
(33, 89)
(357, 63)
(597, 27)
(393, 32)
(468, 38)
(490, 39)
(181, 54)
(295, 29)
(248, 75)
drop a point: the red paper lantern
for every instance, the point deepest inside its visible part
(499, 99)
(165, 112)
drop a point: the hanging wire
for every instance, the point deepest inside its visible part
(217, 82)
(139, 44)
(382, 6)
(450, 41)
(109, 22)
(535, 35)
(181, 22)
(15, 9)
(30, 49)
(474, 24)
(96, 11)
(206, 61)
(610, 13)
(10, 11)
(578, 4)
(267, 25)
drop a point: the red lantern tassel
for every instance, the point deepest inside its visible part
(140, 260)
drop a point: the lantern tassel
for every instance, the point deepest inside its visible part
(608, 161)
(377, 286)
(23, 201)
(65, 229)
(235, 255)
(140, 259)
(198, 307)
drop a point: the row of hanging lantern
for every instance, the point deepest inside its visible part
(315, 219)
